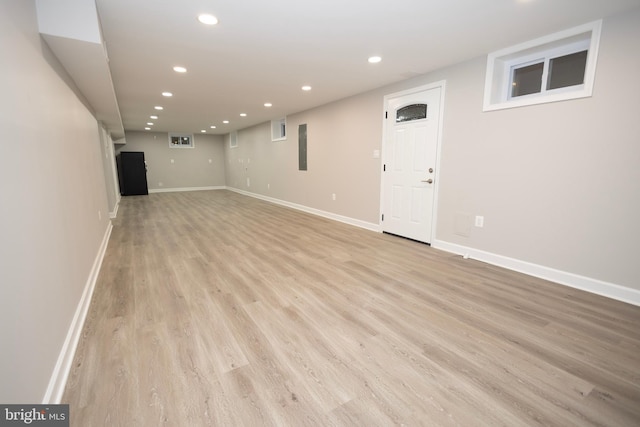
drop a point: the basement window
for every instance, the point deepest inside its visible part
(279, 129)
(180, 140)
(557, 67)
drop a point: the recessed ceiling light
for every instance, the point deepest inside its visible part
(212, 127)
(374, 59)
(207, 19)
(153, 117)
(149, 124)
(203, 131)
(147, 128)
(167, 94)
(226, 122)
(243, 114)
(157, 107)
(179, 69)
(268, 104)
(306, 88)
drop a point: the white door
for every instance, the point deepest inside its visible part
(412, 127)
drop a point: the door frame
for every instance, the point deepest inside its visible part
(434, 214)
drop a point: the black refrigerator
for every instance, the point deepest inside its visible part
(132, 173)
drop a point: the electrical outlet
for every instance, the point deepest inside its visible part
(479, 221)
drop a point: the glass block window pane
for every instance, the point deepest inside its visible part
(527, 80)
(411, 112)
(567, 70)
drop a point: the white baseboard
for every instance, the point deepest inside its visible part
(175, 190)
(347, 220)
(114, 214)
(595, 286)
(58, 381)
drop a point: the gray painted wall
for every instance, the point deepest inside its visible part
(341, 138)
(190, 168)
(558, 184)
(54, 212)
(110, 172)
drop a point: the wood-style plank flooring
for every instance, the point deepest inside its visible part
(217, 309)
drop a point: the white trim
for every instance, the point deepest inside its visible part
(545, 59)
(114, 174)
(276, 129)
(60, 374)
(180, 189)
(595, 286)
(439, 84)
(344, 219)
(114, 213)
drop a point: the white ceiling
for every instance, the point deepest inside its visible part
(265, 50)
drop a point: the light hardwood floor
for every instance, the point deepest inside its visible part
(213, 308)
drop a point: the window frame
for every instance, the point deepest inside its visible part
(549, 54)
(279, 129)
(550, 75)
(517, 65)
(501, 64)
(233, 139)
(181, 135)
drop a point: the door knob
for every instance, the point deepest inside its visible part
(428, 181)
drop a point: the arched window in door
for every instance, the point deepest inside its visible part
(411, 112)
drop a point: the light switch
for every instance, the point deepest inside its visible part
(376, 154)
